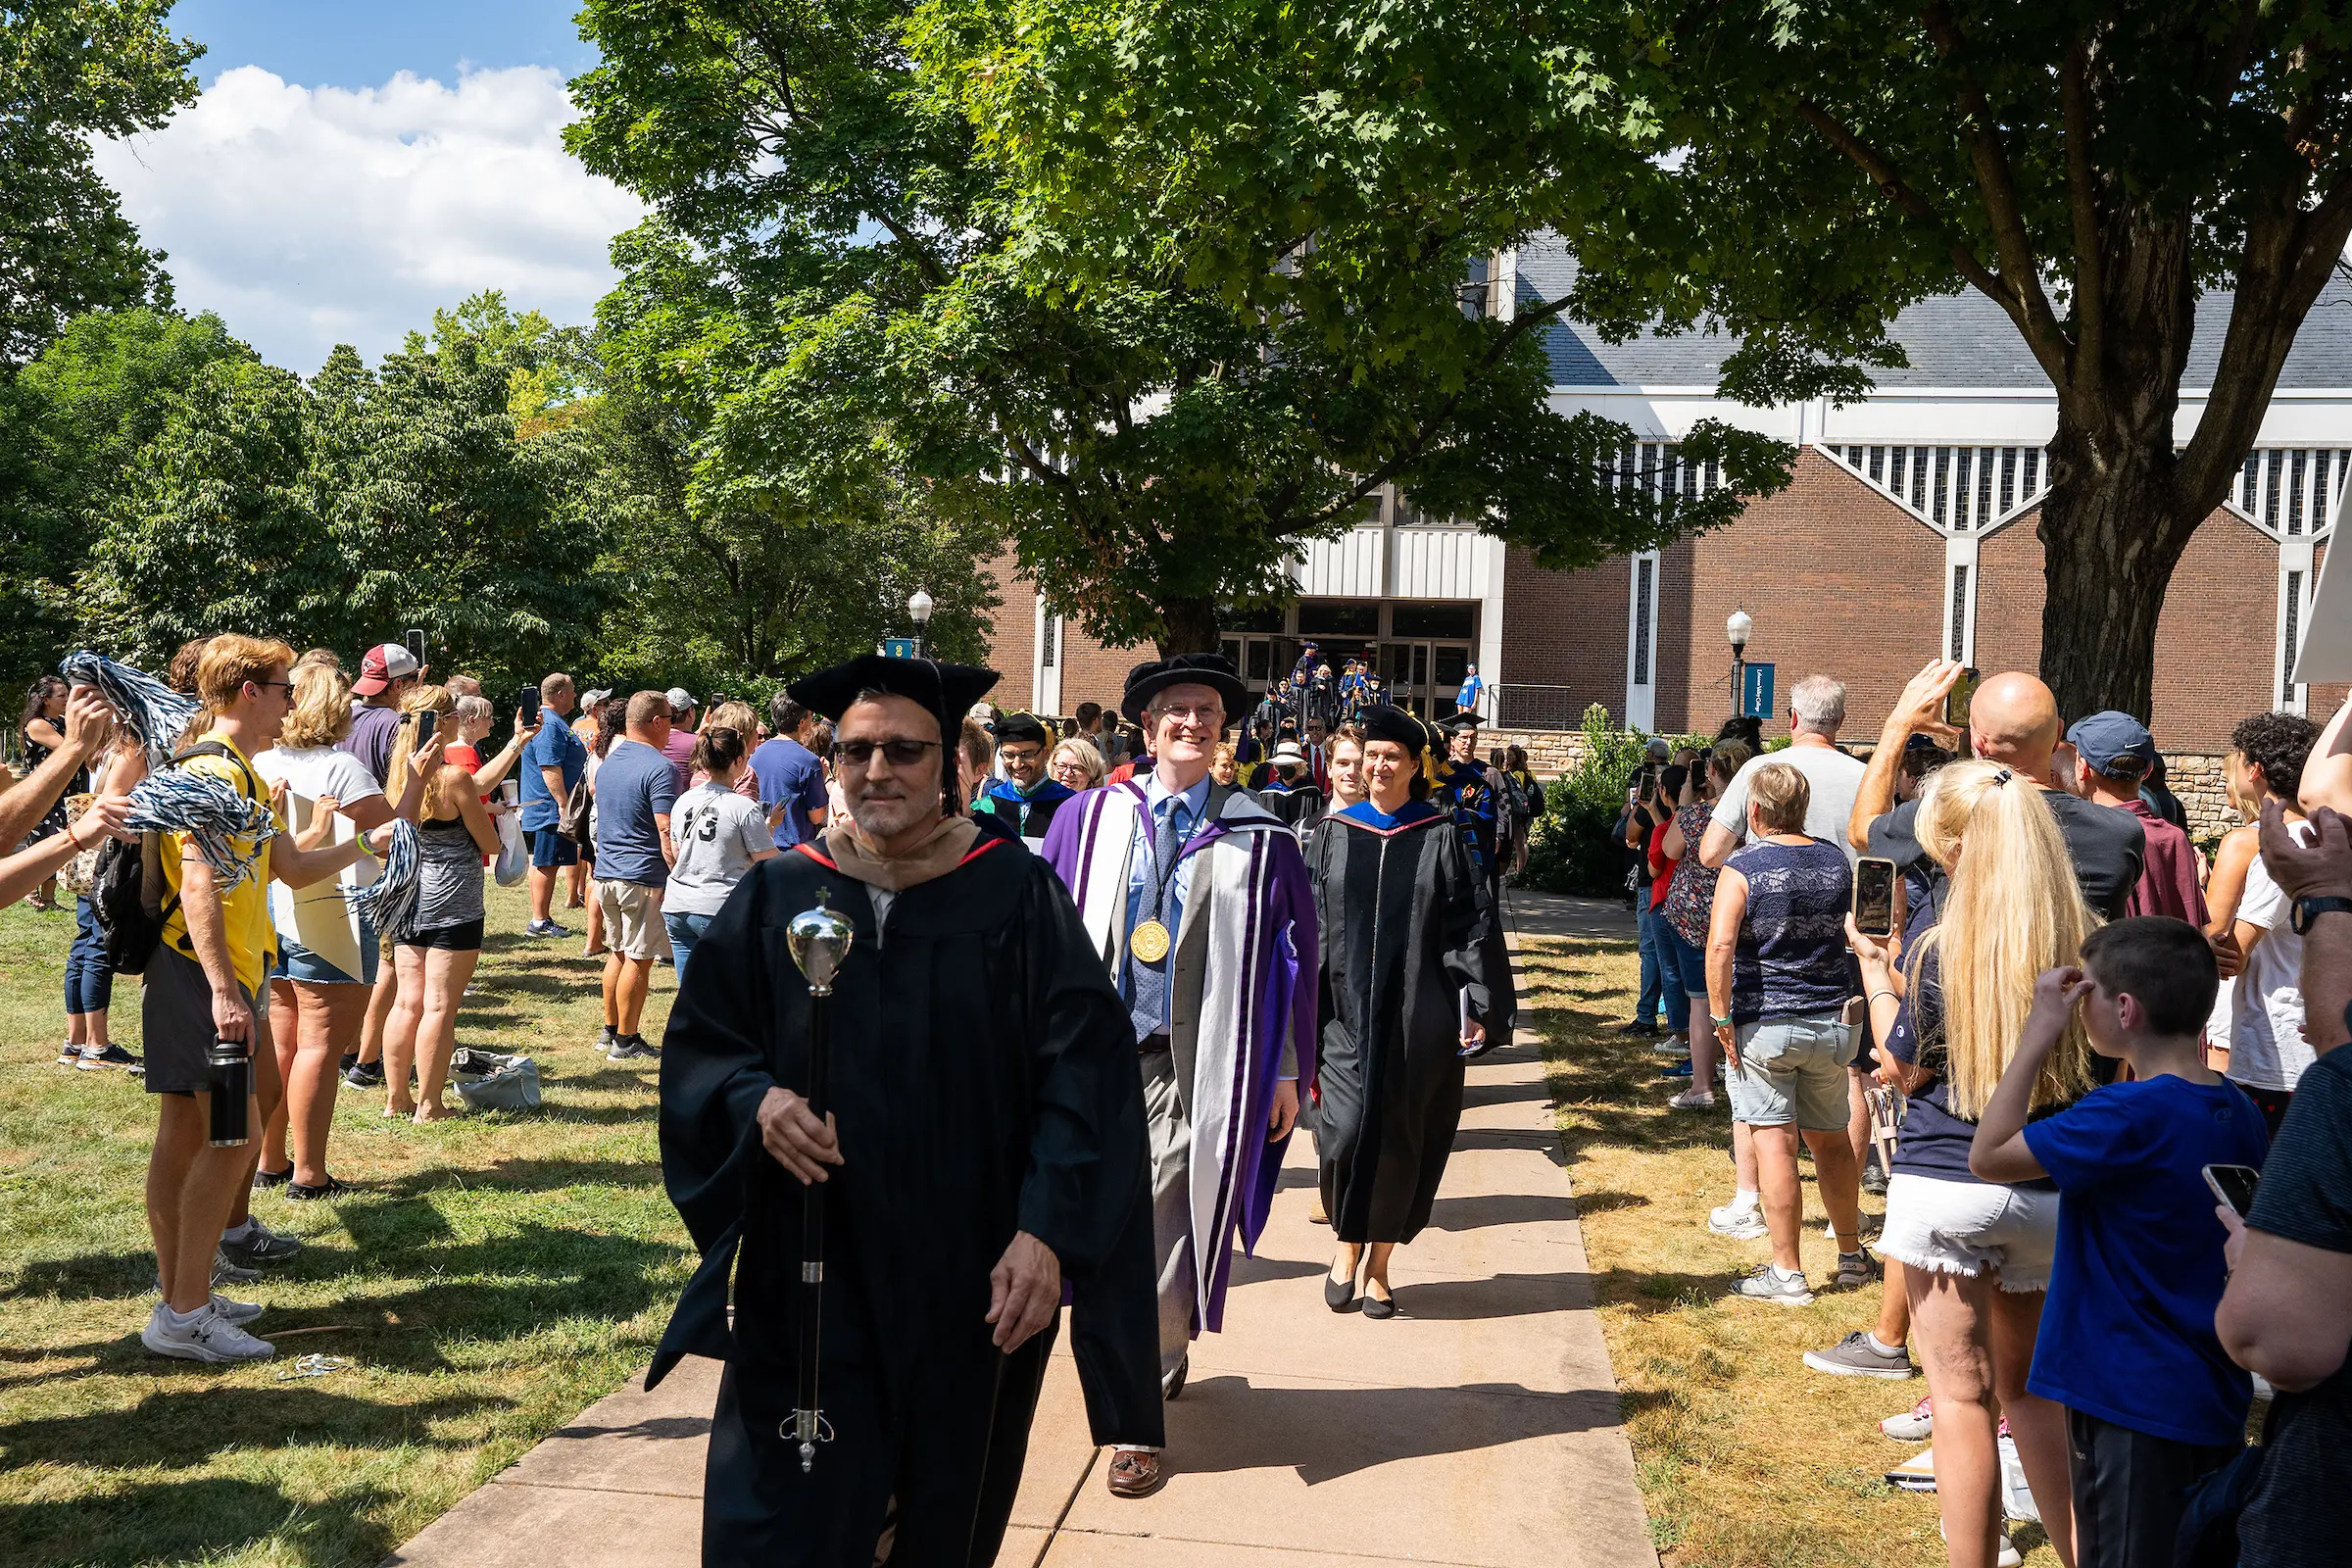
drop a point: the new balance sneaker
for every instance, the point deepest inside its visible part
(259, 1246)
(630, 1048)
(1765, 1283)
(365, 1074)
(544, 928)
(204, 1335)
(1915, 1425)
(1858, 1355)
(1741, 1222)
(105, 1058)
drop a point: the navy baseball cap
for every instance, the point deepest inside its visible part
(2114, 744)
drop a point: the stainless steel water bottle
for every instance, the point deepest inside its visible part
(232, 1092)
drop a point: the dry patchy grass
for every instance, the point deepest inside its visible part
(492, 1276)
(1746, 1458)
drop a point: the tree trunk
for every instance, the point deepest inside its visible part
(2111, 534)
(1187, 626)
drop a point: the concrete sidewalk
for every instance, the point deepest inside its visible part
(1478, 1427)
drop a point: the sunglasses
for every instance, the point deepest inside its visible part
(900, 753)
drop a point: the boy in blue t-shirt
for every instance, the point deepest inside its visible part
(2126, 1340)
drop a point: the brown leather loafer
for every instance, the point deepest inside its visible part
(1135, 1473)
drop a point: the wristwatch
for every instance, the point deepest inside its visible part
(2306, 910)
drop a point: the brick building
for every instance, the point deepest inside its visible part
(1908, 530)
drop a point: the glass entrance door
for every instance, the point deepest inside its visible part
(1423, 676)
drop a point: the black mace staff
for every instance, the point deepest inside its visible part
(818, 940)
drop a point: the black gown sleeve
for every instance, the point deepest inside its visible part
(1088, 1149)
(716, 1069)
(1475, 956)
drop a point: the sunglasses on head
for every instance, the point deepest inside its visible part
(900, 753)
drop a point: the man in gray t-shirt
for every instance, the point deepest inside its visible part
(1816, 711)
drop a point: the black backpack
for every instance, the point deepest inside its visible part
(126, 884)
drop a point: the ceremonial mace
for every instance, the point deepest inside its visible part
(818, 940)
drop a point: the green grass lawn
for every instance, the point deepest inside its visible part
(1746, 1460)
(491, 1276)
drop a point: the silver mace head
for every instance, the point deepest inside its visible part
(820, 940)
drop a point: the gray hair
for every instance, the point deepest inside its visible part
(1818, 703)
(473, 710)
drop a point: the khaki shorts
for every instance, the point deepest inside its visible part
(632, 918)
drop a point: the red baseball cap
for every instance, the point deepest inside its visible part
(384, 664)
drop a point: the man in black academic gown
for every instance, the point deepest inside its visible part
(984, 1142)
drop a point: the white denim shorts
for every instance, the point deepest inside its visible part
(1968, 1227)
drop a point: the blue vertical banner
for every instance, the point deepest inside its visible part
(1755, 692)
(904, 648)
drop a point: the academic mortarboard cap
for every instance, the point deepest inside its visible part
(1020, 727)
(947, 689)
(1383, 723)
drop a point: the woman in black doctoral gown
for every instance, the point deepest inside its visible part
(1405, 942)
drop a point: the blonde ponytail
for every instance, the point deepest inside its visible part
(2013, 910)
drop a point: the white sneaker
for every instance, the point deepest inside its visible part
(2006, 1557)
(206, 1337)
(236, 1313)
(1739, 1224)
(1670, 1045)
(1915, 1425)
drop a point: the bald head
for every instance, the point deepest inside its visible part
(2014, 722)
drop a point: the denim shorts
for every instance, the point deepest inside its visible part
(1792, 1069)
(1952, 1227)
(298, 963)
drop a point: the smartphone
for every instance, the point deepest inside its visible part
(2234, 1184)
(1957, 700)
(529, 705)
(416, 642)
(1874, 897)
(428, 724)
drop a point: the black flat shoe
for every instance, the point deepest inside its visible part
(1375, 1307)
(266, 1179)
(329, 1187)
(1339, 1294)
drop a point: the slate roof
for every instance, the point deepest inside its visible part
(1957, 341)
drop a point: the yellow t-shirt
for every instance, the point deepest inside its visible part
(244, 908)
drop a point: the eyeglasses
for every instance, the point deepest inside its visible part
(1210, 716)
(285, 686)
(900, 753)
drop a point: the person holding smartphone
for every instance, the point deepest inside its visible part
(2138, 1246)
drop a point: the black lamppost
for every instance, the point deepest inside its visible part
(1736, 628)
(919, 606)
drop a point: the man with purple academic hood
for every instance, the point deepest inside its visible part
(1196, 899)
(983, 1144)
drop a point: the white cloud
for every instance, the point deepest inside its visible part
(314, 216)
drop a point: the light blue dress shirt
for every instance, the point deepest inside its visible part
(1140, 871)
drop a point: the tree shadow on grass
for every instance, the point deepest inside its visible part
(194, 1415)
(1657, 1290)
(199, 1518)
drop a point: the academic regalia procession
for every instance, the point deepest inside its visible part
(1195, 900)
(981, 1084)
(1405, 931)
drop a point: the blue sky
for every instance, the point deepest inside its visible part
(361, 43)
(350, 167)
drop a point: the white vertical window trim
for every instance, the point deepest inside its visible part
(1961, 590)
(1641, 641)
(2295, 586)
